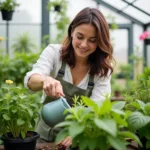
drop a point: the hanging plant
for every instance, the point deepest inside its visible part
(145, 36)
(7, 8)
(59, 7)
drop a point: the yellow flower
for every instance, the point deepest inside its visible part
(1, 38)
(9, 81)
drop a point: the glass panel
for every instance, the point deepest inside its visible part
(116, 3)
(28, 12)
(34, 32)
(120, 48)
(148, 56)
(145, 5)
(137, 14)
(118, 18)
(3, 35)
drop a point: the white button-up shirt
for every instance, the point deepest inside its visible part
(49, 63)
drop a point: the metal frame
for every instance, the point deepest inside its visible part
(45, 30)
(133, 20)
(45, 22)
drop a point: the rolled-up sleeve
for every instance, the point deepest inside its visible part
(45, 63)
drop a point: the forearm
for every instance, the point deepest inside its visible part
(35, 82)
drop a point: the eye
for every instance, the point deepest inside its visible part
(79, 37)
(92, 40)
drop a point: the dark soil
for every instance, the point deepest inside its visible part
(50, 146)
(42, 146)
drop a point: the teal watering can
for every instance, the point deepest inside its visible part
(53, 112)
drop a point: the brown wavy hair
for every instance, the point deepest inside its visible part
(99, 60)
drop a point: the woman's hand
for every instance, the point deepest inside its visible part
(52, 87)
(66, 142)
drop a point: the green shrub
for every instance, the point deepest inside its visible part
(15, 68)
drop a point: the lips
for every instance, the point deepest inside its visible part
(82, 50)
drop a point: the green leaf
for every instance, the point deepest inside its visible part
(30, 112)
(107, 125)
(6, 117)
(105, 108)
(118, 111)
(83, 143)
(75, 129)
(90, 103)
(93, 144)
(22, 96)
(147, 109)
(102, 143)
(144, 131)
(14, 110)
(119, 119)
(148, 144)
(20, 122)
(137, 120)
(117, 143)
(61, 135)
(118, 105)
(131, 135)
(62, 124)
(142, 105)
(23, 134)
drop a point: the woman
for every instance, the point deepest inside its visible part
(80, 66)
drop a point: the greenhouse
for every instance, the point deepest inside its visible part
(73, 81)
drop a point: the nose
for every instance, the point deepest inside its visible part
(84, 43)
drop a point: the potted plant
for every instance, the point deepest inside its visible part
(139, 122)
(18, 116)
(59, 9)
(99, 126)
(145, 36)
(138, 102)
(7, 8)
(117, 89)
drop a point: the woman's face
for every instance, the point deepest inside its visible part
(84, 40)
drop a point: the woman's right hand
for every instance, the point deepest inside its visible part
(52, 87)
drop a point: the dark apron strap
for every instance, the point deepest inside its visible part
(69, 89)
(61, 73)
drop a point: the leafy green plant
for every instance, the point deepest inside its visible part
(139, 121)
(141, 89)
(15, 68)
(117, 89)
(96, 125)
(112, 19)
(8, 5)
(126, 71)
(18, 110)
(23, 43)
(61, 18)
(138, 102)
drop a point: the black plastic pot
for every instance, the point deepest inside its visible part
(147, 41)
(57, 8)
(28, 143)
(7, 15)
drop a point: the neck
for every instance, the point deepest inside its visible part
(81, 61)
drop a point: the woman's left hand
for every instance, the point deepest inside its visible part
(66, 142)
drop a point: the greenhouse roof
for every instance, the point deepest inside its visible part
(137, 11)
